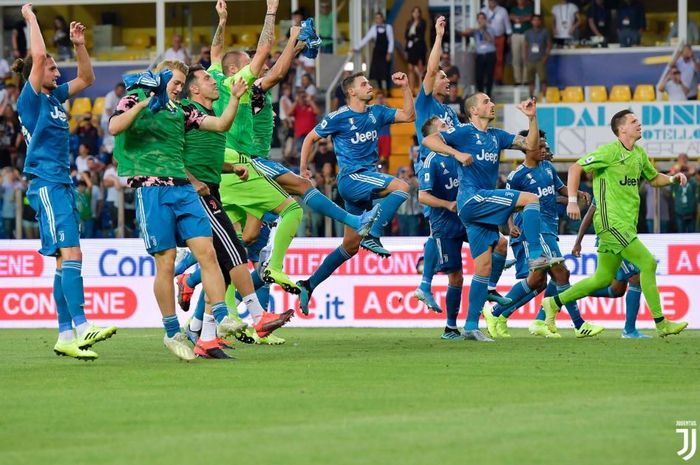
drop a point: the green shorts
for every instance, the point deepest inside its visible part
(615, 240)
(256, 196)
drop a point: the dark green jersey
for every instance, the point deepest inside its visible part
(204, 150)
(240, 136)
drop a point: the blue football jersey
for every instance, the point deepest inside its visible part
(45, 128)
(485, 147)
(355, 136)
(440, 176)
(428, 106)
(544, 182)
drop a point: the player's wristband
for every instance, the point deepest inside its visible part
(573, 199)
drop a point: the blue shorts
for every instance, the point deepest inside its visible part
(361, 188)
(550, 245)
(57, 215)
(449, 254)
(482, 213)
(169, 216)
(269, 168)
(626, 271)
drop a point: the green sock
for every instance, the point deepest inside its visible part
(639, 255)
(608, 263)
(290, 218)
(230, 297)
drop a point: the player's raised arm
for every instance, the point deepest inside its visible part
(306, 149)
(283, 63)
(217, 43)
(223, 123)
(86, 75)
(267, 39)
(436, 143)
(529, 109)
(38, 50)
(434, 58)
(127, 111)
(407, 114)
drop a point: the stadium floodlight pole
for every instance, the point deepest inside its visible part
(682, 21)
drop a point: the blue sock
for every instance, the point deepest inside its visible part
(184, 264)
(264, 296)
(199, 309)
(171, 325)
(572, 308)
(634, 294)
(257, 280)
(517, 292)
(389, 207)
(430, 259)
(604, 292)
(550, 290)
(72, 285)
(65, 323)
(477, 298)
(325, 206)
(331, 263)
(498, 261)
(531, 230)
(195, 278)
(453, 299)
(219, 310)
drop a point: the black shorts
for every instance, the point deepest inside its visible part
(230, 251)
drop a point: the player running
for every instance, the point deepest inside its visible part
(51, 193)
(204, 162)
(354, 129)
(481, 207)
(539, 177)
(439, 183)
(627, 273)
(617, 168)
(150, 149)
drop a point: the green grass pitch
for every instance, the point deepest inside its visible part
(351, 396)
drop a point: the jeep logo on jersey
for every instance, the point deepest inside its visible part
(363, 137)
(487, 156)
(629, 181)
(452, 184)
(549, 190)
(58, 113)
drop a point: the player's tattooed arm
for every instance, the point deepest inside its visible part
(281, 67)
(519, 143)
(267, 39)
(217, 43)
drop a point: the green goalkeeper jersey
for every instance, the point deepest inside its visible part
(240, 136)
(616, 176)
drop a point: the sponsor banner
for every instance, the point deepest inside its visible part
(573, 130)
(365, 292)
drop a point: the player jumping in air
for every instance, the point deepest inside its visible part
(617, 168)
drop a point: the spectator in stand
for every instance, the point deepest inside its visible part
(326, 18)
(383, 36)
(416, 48)
(409, 212)
(445, 61)
(566, 19)
(498, 21)
(304, 111)
(685, 203)
(113, 183)
(177, 51)
(322, 156)
(10, 137)
(453, 76)
(88, 134)
(673, 86)
(693, 32)
(520, 17)
(96, 201)
(599, 20)
(683, 165)
(11, 96)
(538, 45)
(485, 54)
(61, 39)
(689, 67)
(631, 21)
(11, 188)
(285, 131)
(82, 161)
(317, 220)
(111, 100)
(30, 227)
(331, 190)
(204, 59)
(455, 102)
(338, 95)
(307, 85)
(19, 39)
(414, 151)
(83, 202)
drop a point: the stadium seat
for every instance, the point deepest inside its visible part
(81, 105)
(620, 93)
(396, 92)
(644, 93)
(572, 94)
(98, 106)
(598, 94)
(552, 95)
(403, 129)
(141, 40)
